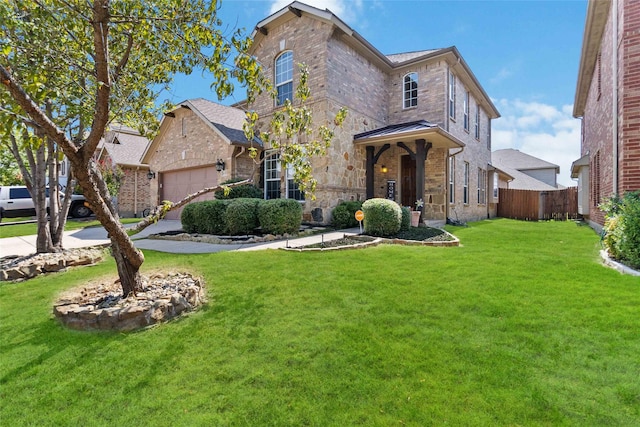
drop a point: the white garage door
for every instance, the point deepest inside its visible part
(176, 185)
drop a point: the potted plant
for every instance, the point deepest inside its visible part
(415, 215)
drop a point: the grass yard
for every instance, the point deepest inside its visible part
(71, 224)
(519, 326)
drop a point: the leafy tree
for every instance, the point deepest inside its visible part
(9, 171)
(69, 68)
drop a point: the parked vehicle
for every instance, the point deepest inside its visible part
(15, 201)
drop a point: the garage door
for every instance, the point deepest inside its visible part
(176, 185)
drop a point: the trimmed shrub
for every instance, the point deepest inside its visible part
(405, 222)
(209, 216)
(241, 216)
(343, 215)
(382, 217)
(244, 191)
(188, 219)
(279, 216)
(622, 228)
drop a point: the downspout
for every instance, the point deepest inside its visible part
(135, 193)
(615, 97)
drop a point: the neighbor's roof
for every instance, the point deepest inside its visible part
(522, 181)
(409, 132)
(124, 145)
(386, 63)
(228, 121)
(518, 160)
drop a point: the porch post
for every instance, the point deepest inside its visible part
(422, 148)
(370, 164)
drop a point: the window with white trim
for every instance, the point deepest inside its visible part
(465, 187)
(410, 91)
(452, 95)
(482, 186)
(466, 111)
(284, 77)
(496, 190)
(272, 174)
(452, 179)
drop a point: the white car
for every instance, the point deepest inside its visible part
(15, 201)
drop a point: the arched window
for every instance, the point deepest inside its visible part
(284, 77)
(410, 92)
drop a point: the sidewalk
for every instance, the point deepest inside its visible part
(93, 236)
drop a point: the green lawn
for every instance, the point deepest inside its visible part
(521, 325)
(72, 224)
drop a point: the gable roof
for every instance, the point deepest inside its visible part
(514, 162)
(227, 121)
(387, 63)
(124, 145)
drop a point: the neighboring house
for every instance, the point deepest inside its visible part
(527, 172)
(607, 99)
(123, 147)
(200, 144)
(418, 126)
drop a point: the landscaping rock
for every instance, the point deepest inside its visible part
(27, 267)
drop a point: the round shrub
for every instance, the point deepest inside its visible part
(343, 215)
(279, 216)
(405, 223)
(188, 219)
(210, 216)
(241, 216)
(382, 217)
(244, 191)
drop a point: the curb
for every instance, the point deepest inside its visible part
(623, 269)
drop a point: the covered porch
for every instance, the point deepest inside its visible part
(407, 163)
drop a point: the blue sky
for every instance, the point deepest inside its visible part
(524, 53)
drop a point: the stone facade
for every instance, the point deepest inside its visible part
(370, 86)
(134, 196)
(599, 91)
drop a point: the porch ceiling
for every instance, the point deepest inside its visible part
(409, 132)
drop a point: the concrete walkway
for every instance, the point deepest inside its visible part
(93, 236)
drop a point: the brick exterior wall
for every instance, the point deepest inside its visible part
(597, 126)
(629, 178)
(341, 76)
(134, 196)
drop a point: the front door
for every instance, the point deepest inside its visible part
(408, 180)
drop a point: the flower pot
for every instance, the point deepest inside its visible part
(415, 218)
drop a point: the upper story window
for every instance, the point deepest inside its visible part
(284, 77)
(452, 95)
(466, 111)
(410, 93)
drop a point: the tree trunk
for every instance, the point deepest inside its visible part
(128, 273)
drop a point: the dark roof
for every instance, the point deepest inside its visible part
(228, 120)
(125, 145)
(396, 129)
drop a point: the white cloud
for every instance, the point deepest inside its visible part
(541, 130)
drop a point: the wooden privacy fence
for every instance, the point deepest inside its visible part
(532, 205)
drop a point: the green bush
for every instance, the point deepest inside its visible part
(279, 216)
(382, 217)
(405, 222)
(343, 215)
(244, 191)
(622, 228)
(209, 216)
(241, 216)
(188, 219)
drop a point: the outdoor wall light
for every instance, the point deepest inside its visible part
(384, 169)
(151, 174)
(220, 165)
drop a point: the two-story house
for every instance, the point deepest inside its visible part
(418, 129)
(608, 101)
(419, 124)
